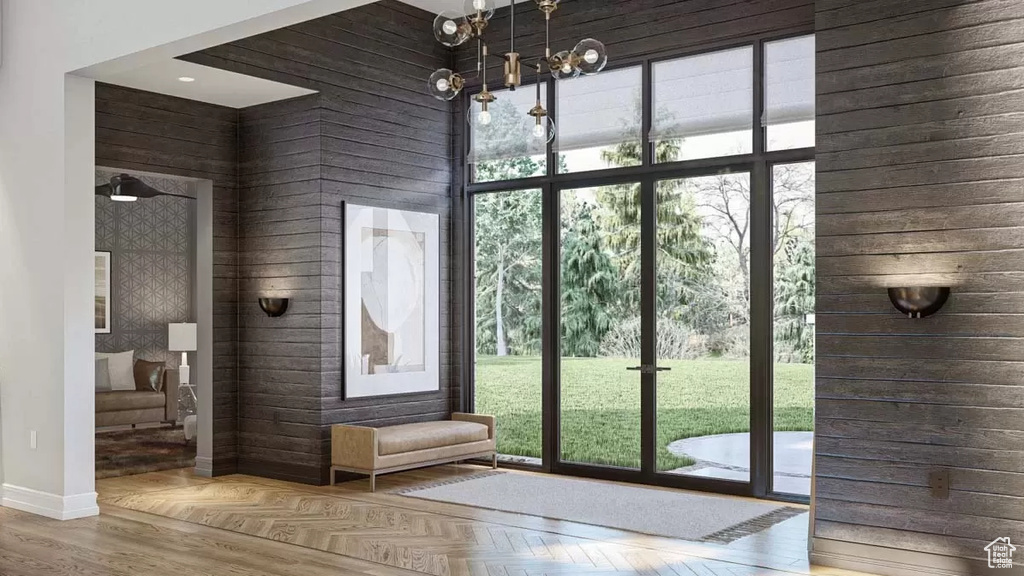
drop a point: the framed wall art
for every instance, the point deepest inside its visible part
(391, 280)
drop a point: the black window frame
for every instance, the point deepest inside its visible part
(758, 163)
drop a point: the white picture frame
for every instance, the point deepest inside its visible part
(102, 293)
(391, 293)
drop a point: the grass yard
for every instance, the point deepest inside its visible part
(601, 405)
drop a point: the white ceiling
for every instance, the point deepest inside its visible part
(211, 85)
(437, 6)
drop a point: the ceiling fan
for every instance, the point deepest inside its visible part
(125, 188)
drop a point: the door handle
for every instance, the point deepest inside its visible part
(648, 369)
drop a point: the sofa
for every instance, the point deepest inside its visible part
(140, 406)
(373, 451)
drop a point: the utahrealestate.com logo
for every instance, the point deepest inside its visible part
(1000, 553)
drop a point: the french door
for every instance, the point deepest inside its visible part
(636, 262)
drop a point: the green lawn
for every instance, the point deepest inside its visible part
(601, 405)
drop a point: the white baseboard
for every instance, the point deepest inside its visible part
(890, 561)
(204, 466)
(49, 505)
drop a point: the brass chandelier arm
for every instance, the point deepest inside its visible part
(588, 57)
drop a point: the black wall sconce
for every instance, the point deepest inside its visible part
(274, 307)
(919, 301)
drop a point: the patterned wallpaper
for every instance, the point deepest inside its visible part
(153, 268)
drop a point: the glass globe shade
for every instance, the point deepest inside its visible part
(591, 56)
(565, 71)
(486, 7)
(544, 131)
(478, 117)
(442, 84)
(448, 30)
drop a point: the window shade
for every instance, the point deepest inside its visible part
(509, 133)
(789, 81)
(597, 111)
(705, 94)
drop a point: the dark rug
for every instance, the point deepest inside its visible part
(130, 452)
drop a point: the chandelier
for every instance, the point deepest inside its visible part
(451, 29)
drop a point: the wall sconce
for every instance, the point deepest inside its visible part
(919, 301)
(274, 307)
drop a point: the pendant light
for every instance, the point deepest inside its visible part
(588, 57)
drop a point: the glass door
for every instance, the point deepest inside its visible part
(600, 328)
(654, 328)
(703, 327)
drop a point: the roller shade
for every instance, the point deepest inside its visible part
(509, 133)
(598, 111)
(789, 81)
(705, 94)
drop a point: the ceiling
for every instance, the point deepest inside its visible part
(211, 85)
(217, 86)
(437, 6)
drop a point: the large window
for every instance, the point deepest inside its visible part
(500, 144)
(644, 301)
(507, 263)
(793, 259)
(704, 106)
(789, 93)
(599, 121)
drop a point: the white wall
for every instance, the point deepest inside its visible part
(46, 214)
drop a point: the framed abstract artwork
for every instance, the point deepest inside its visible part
(391, 293)
(102, 293)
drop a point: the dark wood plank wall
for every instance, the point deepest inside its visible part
(138, 130)
(920, 182)
(633, 29)
(372, 136)
(279, 255)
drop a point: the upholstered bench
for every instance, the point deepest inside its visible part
(374, 451)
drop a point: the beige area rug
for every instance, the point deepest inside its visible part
(669, 513)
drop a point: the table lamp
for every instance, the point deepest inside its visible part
(182, 338)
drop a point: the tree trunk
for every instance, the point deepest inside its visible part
(499, 318)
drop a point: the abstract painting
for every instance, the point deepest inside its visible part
(391, 286)
(102, 293)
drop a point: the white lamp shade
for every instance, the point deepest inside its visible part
(181, 337)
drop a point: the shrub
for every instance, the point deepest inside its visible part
(675, 340)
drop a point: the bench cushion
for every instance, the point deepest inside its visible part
(425, 435)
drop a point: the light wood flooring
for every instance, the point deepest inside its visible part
(246, 525)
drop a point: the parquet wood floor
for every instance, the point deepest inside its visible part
(176, 523)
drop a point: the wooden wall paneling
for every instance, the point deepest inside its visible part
(279, 254)
(137, 130)
(373, 136)
(919, 174)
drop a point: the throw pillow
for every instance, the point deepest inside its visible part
(102, 375)
(149, 376)
(121, 366)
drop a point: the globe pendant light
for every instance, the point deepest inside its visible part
(543, 127)
(450, 30)
(445, 84)
(588, 57)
